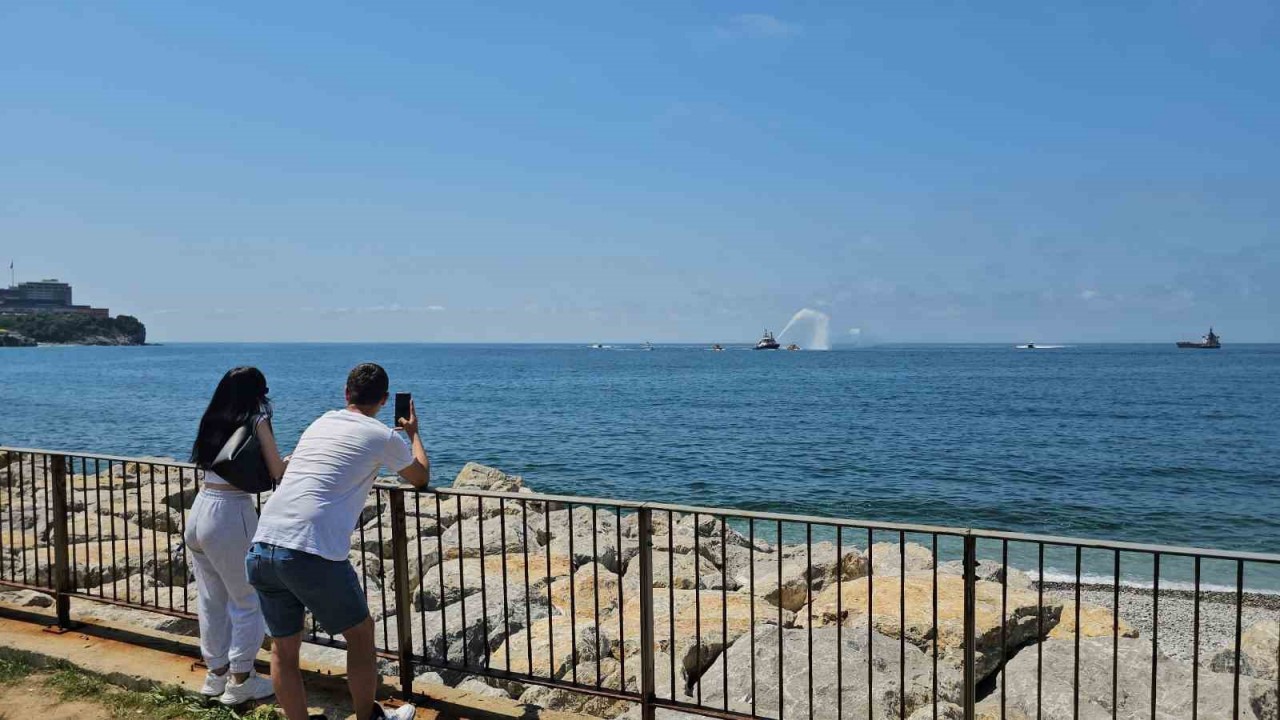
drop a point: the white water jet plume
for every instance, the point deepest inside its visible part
(808, 328)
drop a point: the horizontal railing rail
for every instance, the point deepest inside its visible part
(594, 604)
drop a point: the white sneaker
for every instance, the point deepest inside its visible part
(404, 712)
(214, 685)
(254, 687)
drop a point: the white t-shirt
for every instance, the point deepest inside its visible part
(319, 499)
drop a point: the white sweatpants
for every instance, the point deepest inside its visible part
(220, 529)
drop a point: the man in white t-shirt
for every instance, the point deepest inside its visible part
(298, 560)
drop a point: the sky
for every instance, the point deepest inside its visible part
(664, 171)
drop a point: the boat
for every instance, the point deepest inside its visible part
(717, 348)
(1208, 342)
(793, 347)
(1028, 346)
(647, 345)
(767, 342)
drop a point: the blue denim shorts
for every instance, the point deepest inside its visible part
(290, 582)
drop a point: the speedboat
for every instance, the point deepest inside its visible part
(717, 348)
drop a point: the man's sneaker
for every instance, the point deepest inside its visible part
(214, 684)
(404, 712)
(254, 687)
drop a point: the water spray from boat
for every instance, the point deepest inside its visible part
(808, 330)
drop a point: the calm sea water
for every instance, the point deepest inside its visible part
(1142, 443)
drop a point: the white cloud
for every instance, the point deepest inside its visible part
(757, 25)
(1088, 294)
(855, 331)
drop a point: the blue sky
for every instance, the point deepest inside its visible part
(665, 171)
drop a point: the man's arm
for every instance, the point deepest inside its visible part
(418, 473)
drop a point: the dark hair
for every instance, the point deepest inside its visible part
(241, 394)
(367, 384)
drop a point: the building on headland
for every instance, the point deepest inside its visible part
(44, 296)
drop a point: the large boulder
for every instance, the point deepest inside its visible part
(805, 571)
(800, 651)
(454, 579)
(1095, 621)
(684, 572)
(1057, 691)
(474, 476)
(1023, 618)
(888, 558)
(592, 589)
(553, 644)
(463, 631)
(471, 536)
(593, 540)
(1258, 652)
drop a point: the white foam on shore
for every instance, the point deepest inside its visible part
(1068, 578)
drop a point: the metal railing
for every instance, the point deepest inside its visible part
(602, 605)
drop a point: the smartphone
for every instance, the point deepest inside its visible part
(402, 407)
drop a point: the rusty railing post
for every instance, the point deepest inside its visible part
(62, 584)
(647, 692)
(970, 608)
(403, 593)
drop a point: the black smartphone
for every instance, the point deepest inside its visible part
(402, 407)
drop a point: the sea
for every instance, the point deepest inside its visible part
(1141, 443)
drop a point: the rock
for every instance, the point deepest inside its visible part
(476, 686)
(466, 537)
(1257, 697)
(26, 598)
(855, 654)
(130, 618)
(1258, 652)
(804, 573)
(704, 622)
(887, 558)
(475, 476)
(553, 644)
(1021, 613)
(181, 500)
(580, 703)
(592, 543)
(429, 676)
(462, 578)
(461, 633)
(946, 711)
(1095, 621)
(595, 590)
(992, 571)
(687, 574)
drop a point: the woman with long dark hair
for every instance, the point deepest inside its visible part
(219, 531)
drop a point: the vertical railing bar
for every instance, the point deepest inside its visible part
(551, 635)
(506, 610)
(839, 623)
(13, 570)
(871, 593)
(970, 622)
(404, 608)
(124, 534)
(62, 581)
(647, 684)
(595, 583)
(386, 638)
(1195, 642)
(781, 645)
(622, 634)
(1155, 632)
(422, 571)
(902, 625)
(697, 602)
(671, 596)
(934, 621)
(49, 549)
(1235, 687)
(1115, 635)
(724, 609)
(440, 561)
(462, 583)
(155, 549)
(484, 584)
(1039, 630)
(1075, 682)
(751, 598)
(182, 529)
(808, 606)
(142, 542)
(528, 591)
(1004, 618)
(97, 504)
(168, 489)
(573, 601)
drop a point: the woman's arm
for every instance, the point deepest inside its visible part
(270, 453)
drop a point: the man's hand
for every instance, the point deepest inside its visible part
(409, 424)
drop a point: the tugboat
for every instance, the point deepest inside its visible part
(767, 342)
(1210, 342)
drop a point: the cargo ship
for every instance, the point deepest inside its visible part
(1209, 342)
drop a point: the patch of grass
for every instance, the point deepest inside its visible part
(13, 670)
(166, 703)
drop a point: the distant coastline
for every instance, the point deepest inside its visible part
(68, 329)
